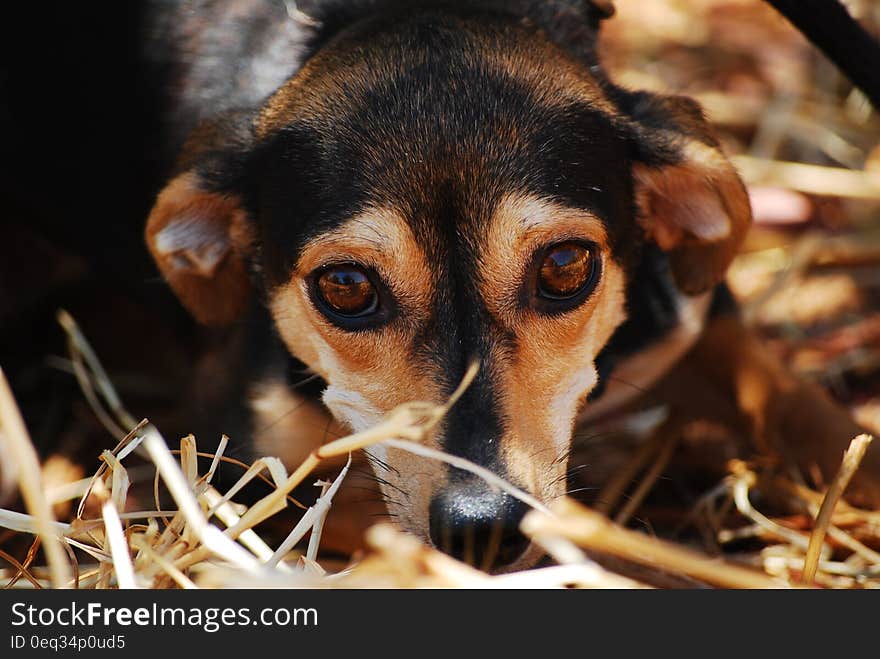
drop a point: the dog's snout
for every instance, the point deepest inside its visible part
(479, 527)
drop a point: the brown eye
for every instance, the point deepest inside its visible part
(566, 270)
(347, 290)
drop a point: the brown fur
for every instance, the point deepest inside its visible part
(199, 240)
(698, 211)
(543, 383)
(731, 373)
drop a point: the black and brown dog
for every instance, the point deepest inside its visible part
(381, 193)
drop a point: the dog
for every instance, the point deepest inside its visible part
(374, 195)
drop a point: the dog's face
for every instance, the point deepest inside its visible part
(436, 191)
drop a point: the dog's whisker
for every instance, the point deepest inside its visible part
(563, 456)
(539, 452)
(375, 463)
(365, 474)
(373, 500)
(372, 478)
(574, 492)
(580, 489)
(384, 515)
(644, 391)
(388, 500)
(373, 460)
(368, 474)
(565, 476)
(363, 488)
(305, 381)
(558, 479)
(573, 470)
(396, 488)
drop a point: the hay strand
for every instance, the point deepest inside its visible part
(851, 460)
(594, 531)
(210, 537)
(81, 352)
(18, 445)
(670, 435)
(179, 548)
(122, 564)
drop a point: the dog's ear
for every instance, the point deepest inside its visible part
(691, 201)
(198, 231)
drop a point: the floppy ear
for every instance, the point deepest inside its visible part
(199, 234)
(691, 201)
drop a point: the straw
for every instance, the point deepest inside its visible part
(18, 445)
(851, 460)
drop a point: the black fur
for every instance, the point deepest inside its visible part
(572, 24)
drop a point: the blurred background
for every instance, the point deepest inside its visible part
(808, 146)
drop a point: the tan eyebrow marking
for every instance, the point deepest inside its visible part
(381, 239)
(520, 225)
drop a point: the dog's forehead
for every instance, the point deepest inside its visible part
(434, 52)
(440, 119)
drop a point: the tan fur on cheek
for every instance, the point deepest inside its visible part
(375, 365)
(548, 380)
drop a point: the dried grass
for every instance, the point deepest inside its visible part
(208, 540)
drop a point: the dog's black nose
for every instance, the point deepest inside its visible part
(478, 526)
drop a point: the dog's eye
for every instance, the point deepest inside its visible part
(566, 271)
(347, 290)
